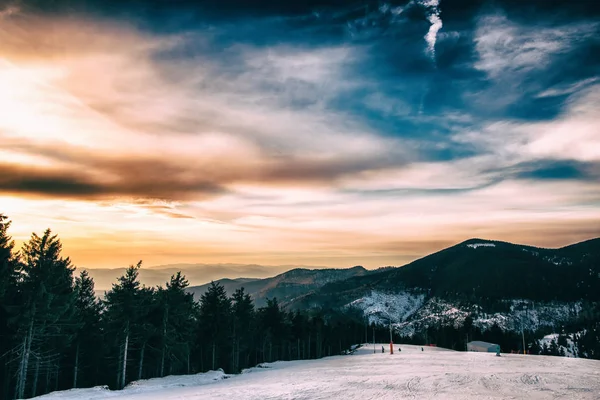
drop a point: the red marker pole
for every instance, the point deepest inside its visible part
(391, 339)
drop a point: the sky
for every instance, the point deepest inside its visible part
(318, 132)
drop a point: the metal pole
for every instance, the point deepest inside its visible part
(523, 335)
(373, 339)
(391, 339)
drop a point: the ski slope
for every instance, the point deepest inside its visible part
(430, 374)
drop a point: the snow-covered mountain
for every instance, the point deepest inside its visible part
(478, 283)
(493, 283)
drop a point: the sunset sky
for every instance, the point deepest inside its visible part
(318, 132)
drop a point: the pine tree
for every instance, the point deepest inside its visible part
(300, 334)
(275, 330)
(8, 301)
(243, 328)
(215, 309)
(179, 315)
(87, 336)
(47, 310)
(124, 312)
(147, 324)
(8, 259)
(317, 324)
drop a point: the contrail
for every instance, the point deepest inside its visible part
(436, 24)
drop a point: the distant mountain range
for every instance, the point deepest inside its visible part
(493, 282)
(196, 274)
(472, 269)
(286, 286)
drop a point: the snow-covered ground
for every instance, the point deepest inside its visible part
(145, 388)
(411, 373)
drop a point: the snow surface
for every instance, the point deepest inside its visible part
(411, 373)
(476, 245)
(144, 387)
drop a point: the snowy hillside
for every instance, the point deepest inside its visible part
(410, 373)
(411, 313)
(381, 308)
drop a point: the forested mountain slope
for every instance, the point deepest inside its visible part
(287, 286)
(481, 269)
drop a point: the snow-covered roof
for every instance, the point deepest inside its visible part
(482, 344)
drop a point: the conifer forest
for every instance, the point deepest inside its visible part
(56, 334)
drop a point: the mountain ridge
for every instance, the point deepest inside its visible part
(284, 286)
(438, 273)
(504, 270)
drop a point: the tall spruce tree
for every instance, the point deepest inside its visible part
(8, 301)
(87, 338)
(146, 326)
(124, 312)
(243, 328)
(299, 332)
(274, 325)
(179, 313)
(215, 309)
(48, 305)
(8, 261)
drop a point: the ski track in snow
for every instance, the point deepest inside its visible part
(434, 373)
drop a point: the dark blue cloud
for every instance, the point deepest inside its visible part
(401, 89)
(558, 170)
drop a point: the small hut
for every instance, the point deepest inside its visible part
(483, 347)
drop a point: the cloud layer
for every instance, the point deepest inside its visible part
(323, 129)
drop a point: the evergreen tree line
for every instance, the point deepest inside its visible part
(55, 334)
